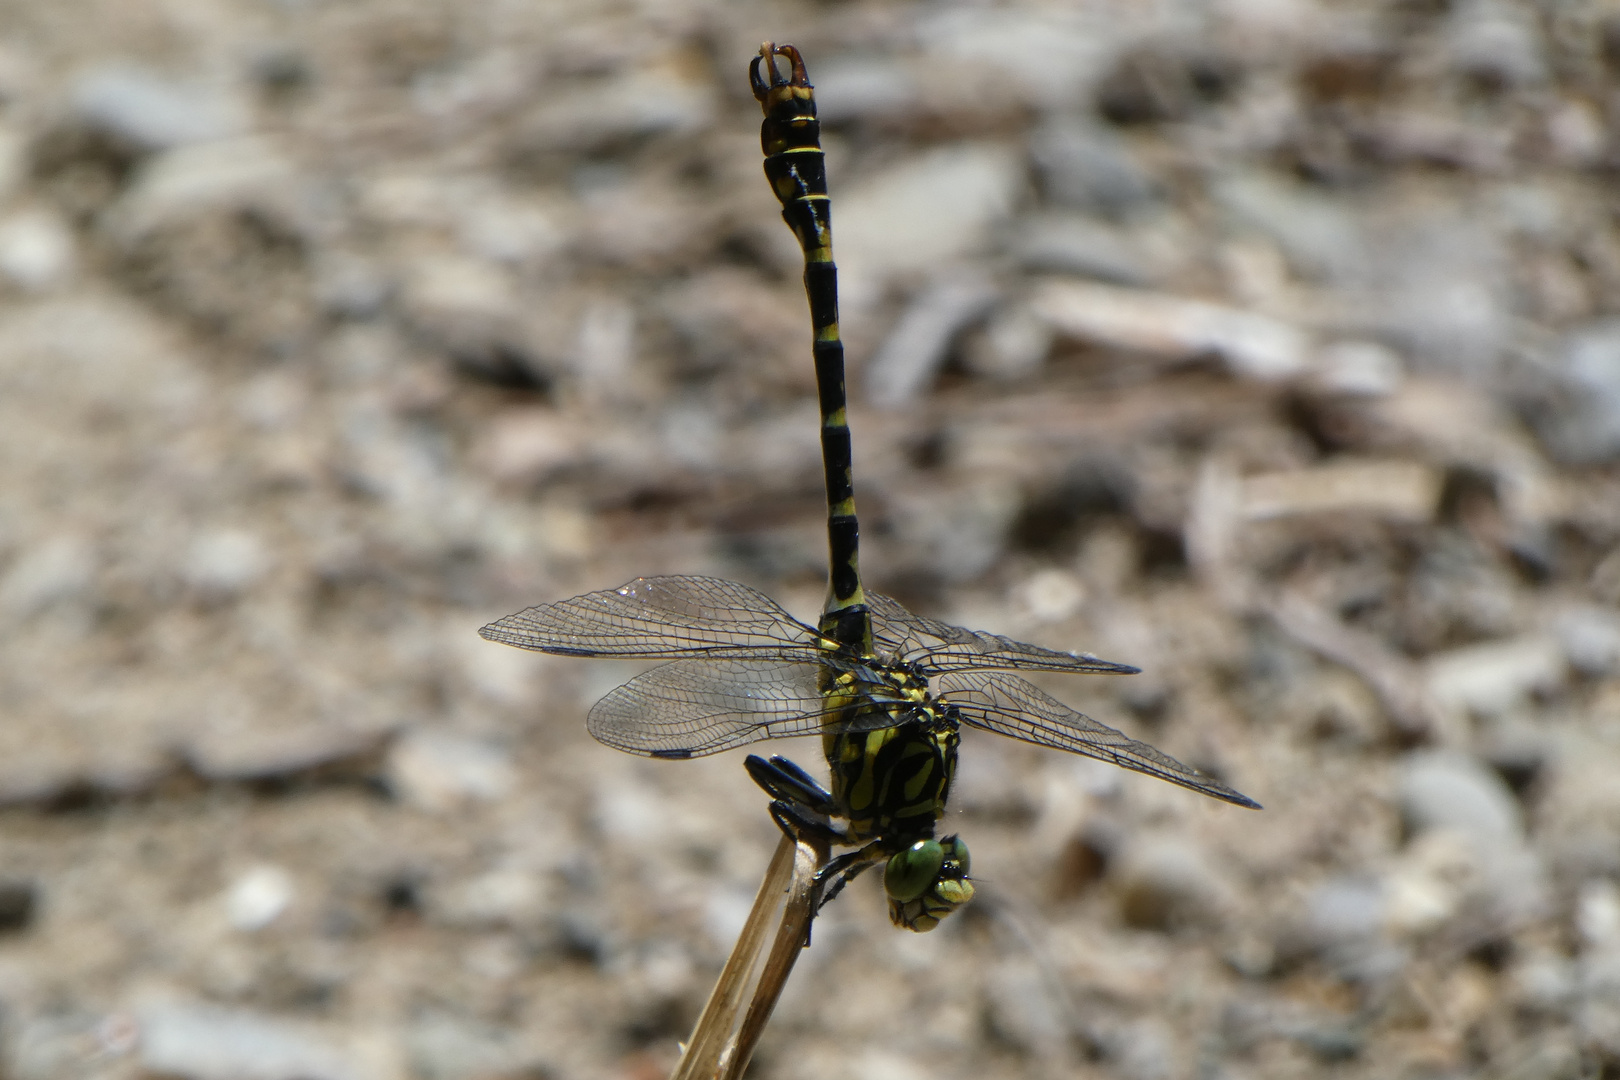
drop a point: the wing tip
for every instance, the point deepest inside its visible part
(1237, 798)
(502, 634)
(1112, 667)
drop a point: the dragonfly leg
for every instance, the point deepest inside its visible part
(840, 872)
(787, 782)
(796, 823)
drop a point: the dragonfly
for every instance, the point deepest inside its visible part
(886, 689)
(740, 669)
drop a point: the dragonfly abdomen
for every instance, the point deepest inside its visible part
(797, 170)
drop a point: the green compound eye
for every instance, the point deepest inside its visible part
(956, 850)
(912, 872)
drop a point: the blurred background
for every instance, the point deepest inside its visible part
(1270, 345)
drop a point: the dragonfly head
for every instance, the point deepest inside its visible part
(926, 882)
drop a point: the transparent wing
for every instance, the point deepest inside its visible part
(941, 647)
(1011, 706)
(661, 618)
(690, 708)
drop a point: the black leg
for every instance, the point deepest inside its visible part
(809, 782)
(844, 877)
(794, 822)
(786, 782)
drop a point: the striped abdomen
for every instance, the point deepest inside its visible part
(796, 168)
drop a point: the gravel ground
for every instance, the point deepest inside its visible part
(1272, 346)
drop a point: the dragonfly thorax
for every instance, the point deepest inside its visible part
(893, 781)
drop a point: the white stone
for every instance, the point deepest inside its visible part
(496, 673)
(1590, 637)
(1498, 675)
(725, 913)
(36, 249)
(906, 364)
(1395, 490)
(1172, 328)
(459, 287)
(175, 186)
(258, 897)
(1075, 42)
(202, 1042)
(1013, 346)
(1358, 369)
(1342, 912)
(57, 569)
(1023, 1011)
(438, 771)
(1167, 881)
(508, 896)
(1444, 790)
(1597, 913)
(225, 561)
(527, 445)
(654, 96)
(924, 212)
(1430, 881)
(153, 112)
(1319, 234)
(1052, 595)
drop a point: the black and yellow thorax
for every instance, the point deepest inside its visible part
(892, 781)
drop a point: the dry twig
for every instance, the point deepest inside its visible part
(720, 1047)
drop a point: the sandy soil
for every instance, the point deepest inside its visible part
(1270, 346)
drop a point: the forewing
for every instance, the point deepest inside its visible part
(690, 708)
(940, 647)
(661, 618)
(1011, 706)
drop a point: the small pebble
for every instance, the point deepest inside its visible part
(1171, 328)
(443, 1046)
(36, 250)
(1087, 168)
(923, 213)
(258, 897)
(1591, 639)
(1597, 914)
(152, 112)
(223, 562)
(1069, 244)
(1444, 790)
(1497, 676)
(1023, 1011)
(909, 359)
(206, 1042)
(1358, 369)
(1342, 912)
(438, 771)
(506, 897)
(1166, 883)
(57, 570)
(1013, 346)
(1052, 595)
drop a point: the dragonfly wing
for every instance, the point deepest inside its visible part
(661, 618)
(1011, 706)
(690, 708)
(941, 647)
